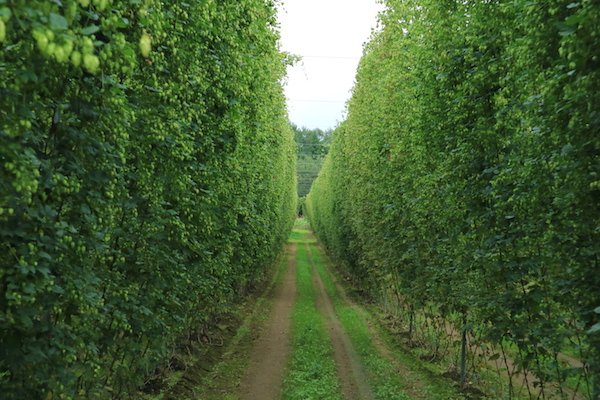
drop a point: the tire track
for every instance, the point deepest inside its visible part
(351, 373)
(412, 381)
(262, 380)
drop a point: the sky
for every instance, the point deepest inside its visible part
(329, 36)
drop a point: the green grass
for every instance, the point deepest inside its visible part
(312, 371)
(301, 232)
(302, 223)
(235, 360)
(383, 384)
(300, 236)
(226, 374)
(383, 381)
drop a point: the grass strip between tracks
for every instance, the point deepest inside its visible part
(312, 370)
(385, 379)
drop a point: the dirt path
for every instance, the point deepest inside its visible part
(352, 376)
(412, 382)
(263, 378)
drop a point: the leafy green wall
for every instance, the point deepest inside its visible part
(465, 177)
(147, 180)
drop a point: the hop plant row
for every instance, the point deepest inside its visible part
(464, 182)
(146, 182)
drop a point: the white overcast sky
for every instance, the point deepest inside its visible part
(329, 36)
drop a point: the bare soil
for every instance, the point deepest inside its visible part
(352, 376)
(263, 378)
(413, 384)
(266, 349)
(270, 355)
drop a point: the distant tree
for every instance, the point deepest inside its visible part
(312, 142)
(312, 147)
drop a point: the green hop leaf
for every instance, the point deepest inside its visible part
(58, 22)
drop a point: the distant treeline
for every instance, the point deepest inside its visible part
(313, 145)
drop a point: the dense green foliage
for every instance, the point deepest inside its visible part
(465, 180)
(147, 180)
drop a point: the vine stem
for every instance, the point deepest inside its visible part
(463, 352)
(511, 389)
